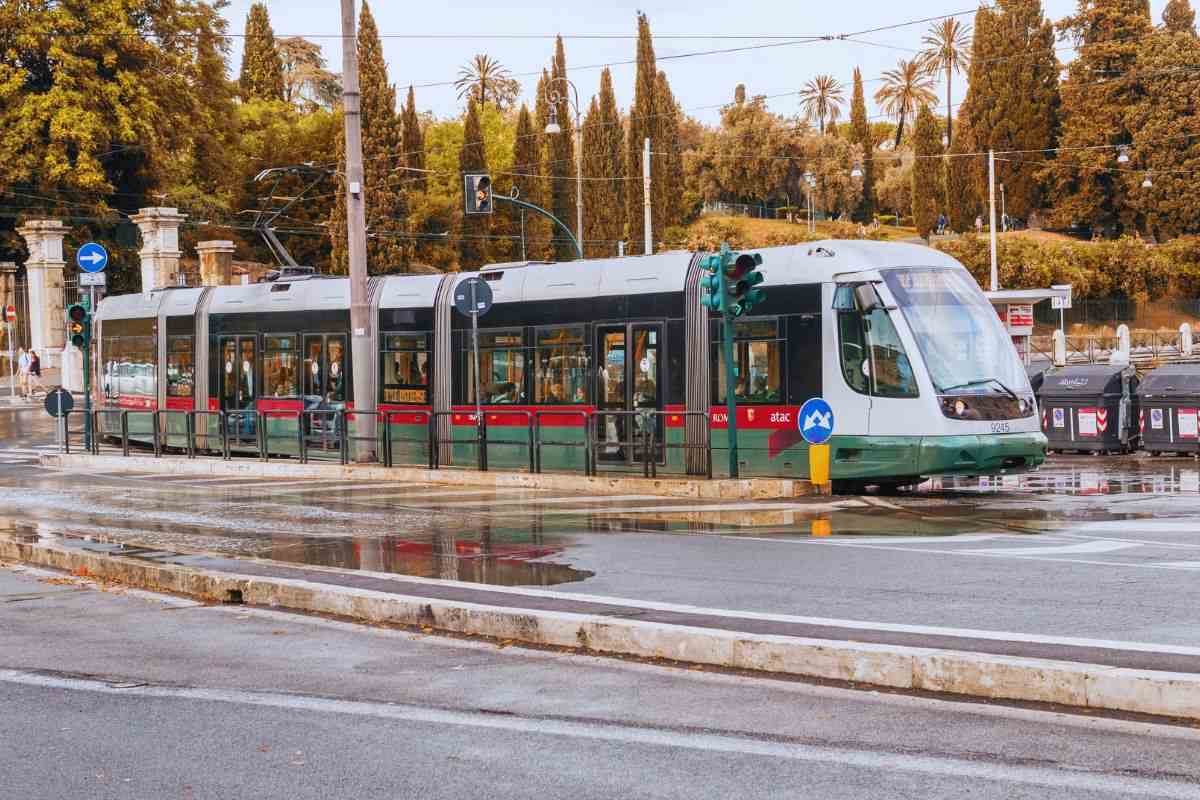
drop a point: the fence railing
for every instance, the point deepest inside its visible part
(518, 439)
(1144, 347)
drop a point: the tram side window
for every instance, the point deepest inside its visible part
(181, 367)
(873, 357)
(129, 366)
(281, 366)
(758, 353)
(501, 368)
(562, 360)
(405, 368)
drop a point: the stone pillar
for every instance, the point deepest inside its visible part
(216, 263)
(44, 278)
(160, 246)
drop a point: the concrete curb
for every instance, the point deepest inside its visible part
(722, 489)
(954, 672)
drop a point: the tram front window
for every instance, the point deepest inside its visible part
(965, 348)
(873, 357)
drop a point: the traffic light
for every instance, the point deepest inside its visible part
(742, 279)
(712, 285)
(477, 194)
(79, 324)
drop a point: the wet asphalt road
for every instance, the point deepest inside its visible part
(121, 695)
(1107, 549)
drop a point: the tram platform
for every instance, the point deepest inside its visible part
(1084, 674)
(746, 489)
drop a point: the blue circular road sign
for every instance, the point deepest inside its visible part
(816, 421)
(92, 257)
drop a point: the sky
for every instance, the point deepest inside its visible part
(430, 43)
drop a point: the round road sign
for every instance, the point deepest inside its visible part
(816, 421)
(59, 402)
(473, 297)
(92, 257)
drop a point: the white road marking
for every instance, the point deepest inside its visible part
(1099, 546)
(1005, 773)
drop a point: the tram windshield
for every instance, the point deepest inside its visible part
(965, 347)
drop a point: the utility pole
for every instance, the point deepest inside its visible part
(992, 211)
(356, 229)
(646, 195)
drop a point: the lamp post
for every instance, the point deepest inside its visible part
(809, 183)
(553, 97)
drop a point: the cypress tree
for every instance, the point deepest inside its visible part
(413, 143)
(1164, 121)
(1178, 17)
(667, 185)
(262, 67)
(962, 199)
(472, 158)
(540, 233)
(927, 172)
(860, 134)
(1095, 96)
(603, 157)
(527, 163)
(560, 156)
(642, 118)
(388, 247)
(1012, 103)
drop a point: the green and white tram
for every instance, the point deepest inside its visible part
(898, 338)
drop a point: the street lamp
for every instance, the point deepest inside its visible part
(553, 97)
(1147, 183)
(809, 183)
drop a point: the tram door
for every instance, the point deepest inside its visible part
(325, 368)
(629, 380)
(239, 357)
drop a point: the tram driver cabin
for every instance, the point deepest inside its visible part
(898, 338)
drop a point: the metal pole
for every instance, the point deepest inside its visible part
(356, 230)
(87, 374)
(12, 372)
(578, 176)
(730, 385)
(992, 212)
(1003, 208)
(478, 396)
(523, 256)
(649, 249)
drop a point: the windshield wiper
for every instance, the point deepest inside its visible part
(996, 381)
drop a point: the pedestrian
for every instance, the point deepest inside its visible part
(35, 372)
(941, 224)
(23, 371)
(979, 224)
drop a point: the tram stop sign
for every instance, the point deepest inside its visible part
(816, 421)
(59, 402)
(473, 297)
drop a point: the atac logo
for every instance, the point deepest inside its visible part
(750, 415)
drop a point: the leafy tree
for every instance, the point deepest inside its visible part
(860, 134)
(906, 90)
(831, 160)
(947, 49)
(486, 80)
(603, 157)
(1164, 121)
(894, 191)
(560, 154)
(821, 99)
(474, 238)
(262, 67)
(927, 190)
(1013, 102)
(1097, 92)
(306, 82)
(1178, 17)
(383, 175)
(750, 155)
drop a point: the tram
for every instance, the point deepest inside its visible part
(898, 338)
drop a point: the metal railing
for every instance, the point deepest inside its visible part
(639, 436)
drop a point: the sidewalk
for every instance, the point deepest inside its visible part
(1158, 680)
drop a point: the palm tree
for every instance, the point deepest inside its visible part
(821, 98)
(483, 79)
(948, 48)
(906, 90)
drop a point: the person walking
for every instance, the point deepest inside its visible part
(979, 224)
(23, 371)
(35, 372)
(941, 224)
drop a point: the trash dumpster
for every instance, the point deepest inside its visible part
(1169, 409)
(1090, 408)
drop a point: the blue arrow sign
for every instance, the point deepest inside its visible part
(816, 421)
(92, 258)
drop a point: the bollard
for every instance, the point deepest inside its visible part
(818, 467)
(1185, 339)
(1123, 340)
(1060, 349)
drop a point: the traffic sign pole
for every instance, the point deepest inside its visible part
(815, 421)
